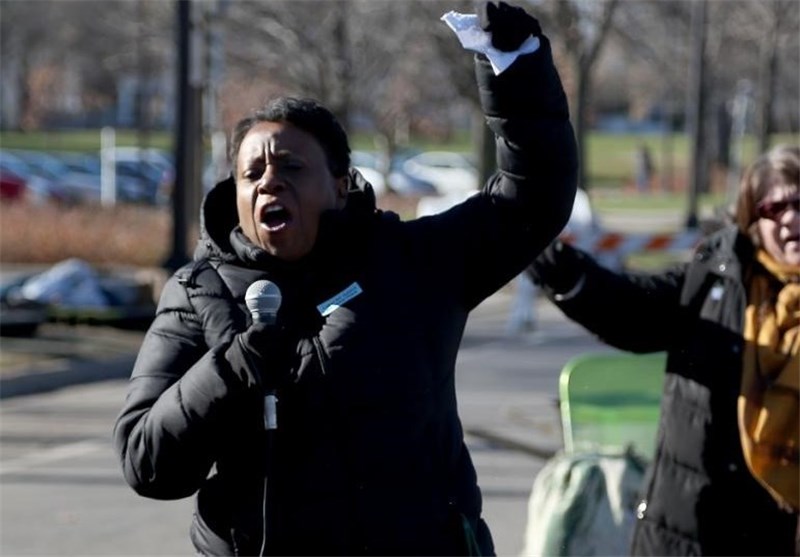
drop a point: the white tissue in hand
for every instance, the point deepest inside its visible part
(472, 37)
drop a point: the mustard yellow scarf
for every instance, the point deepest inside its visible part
(768, 408)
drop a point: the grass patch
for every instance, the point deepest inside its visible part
(616, 200)
(610, 158)
(81, 140)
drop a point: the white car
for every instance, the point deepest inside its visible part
(449, 172)
(582, 219)
(368, 164)
(583, 222)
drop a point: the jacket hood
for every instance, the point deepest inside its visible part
(218, 215)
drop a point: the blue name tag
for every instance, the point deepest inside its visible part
(329, 306)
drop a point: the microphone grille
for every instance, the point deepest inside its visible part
(263, 299)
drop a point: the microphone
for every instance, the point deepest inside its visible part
(263, 299)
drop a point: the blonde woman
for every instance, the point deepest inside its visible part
(724, 480)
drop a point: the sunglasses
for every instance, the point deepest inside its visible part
(772, 209)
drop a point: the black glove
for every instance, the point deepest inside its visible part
(261, 355)
(509, 25)
(559, 267)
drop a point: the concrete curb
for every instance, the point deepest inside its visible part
(535, 450)
(64, 373)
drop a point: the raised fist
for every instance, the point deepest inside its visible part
(509, 25)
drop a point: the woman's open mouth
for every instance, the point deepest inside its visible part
(275, 217)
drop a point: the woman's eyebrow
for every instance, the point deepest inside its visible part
(283, 155)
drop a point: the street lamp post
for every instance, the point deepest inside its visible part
(696, 109)
(188, 134)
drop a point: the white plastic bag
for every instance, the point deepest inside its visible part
(71, 283)
(583, 504)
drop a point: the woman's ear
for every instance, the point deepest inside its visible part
(342, 185)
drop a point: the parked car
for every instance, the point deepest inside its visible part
(12, 187)
(82, 179)
(80, 162)
(21, 317)
(154, 166)
(156, 157)
(40, 184)
(405, 184)
(150, 178)
(582, 219)
(449, 172)
(582, 222)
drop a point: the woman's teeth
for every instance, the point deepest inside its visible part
(275, 217)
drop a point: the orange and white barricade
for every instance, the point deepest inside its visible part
(622, 244)
(610, 250)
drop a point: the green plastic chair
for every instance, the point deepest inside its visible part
(611, 402)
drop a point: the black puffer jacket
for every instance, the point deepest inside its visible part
(699, 497)
(369, 456)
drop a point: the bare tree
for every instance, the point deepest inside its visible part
(775, 18)
(302, 47)
(582, 27)
(134, 40)
(374, 60)
(453, 70)
(746, 40)
(22, 25)
(398, 67)
(96, 42)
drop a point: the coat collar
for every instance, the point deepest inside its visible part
(726, 252)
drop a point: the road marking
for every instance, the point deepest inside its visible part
(62, 452)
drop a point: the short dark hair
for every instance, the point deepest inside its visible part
(309, 116)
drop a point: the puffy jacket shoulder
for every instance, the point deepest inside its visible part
(171, 420)
(211, 300)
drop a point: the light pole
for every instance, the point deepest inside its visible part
(696, 109)
(188, 133)
(741, 109)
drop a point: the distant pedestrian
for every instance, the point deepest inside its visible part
(725, 479)
(644, 168)
(335, 431)
(523, 315)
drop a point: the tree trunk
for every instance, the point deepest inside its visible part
(581, 106)
(696, 110)
(343, 65)
(24, 121)
(766, 87)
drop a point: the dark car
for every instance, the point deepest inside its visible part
(12, 187)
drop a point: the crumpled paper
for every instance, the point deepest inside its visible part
(472, 37)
